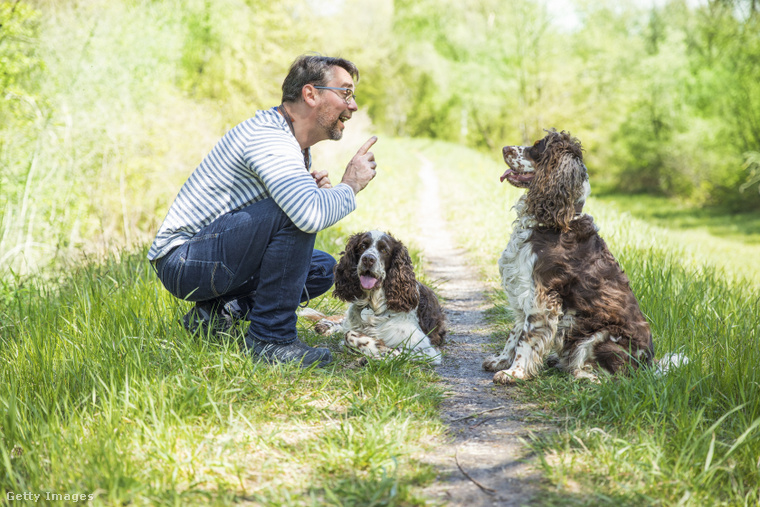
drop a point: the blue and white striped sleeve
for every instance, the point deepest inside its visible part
(277, 160)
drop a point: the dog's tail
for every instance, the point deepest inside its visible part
(311, 314)
(669, 362)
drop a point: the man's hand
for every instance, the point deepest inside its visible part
(362, 167)
(322, 179)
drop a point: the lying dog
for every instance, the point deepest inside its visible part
(389, 310)
(568, 294)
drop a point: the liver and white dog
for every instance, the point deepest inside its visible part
(569, 296)
(389, 310)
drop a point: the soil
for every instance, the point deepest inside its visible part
(483, 461)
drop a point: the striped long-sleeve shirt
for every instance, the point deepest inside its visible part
(258, 159)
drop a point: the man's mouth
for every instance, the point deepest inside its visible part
(344, 118)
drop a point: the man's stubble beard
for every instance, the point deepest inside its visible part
(331, 128)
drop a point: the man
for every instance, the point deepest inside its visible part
(239, 238)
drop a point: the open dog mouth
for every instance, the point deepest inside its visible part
(516, 173)
(368, 279)
(368, 282)
(516, 178)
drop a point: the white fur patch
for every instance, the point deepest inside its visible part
(670, 362)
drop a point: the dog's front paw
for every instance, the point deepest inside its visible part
(356, 341)
(496, 363)
(358, 363)
(508, 377)
(322, 327)
(586, 373)
(327, 327)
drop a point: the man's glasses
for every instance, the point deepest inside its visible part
(348, 94)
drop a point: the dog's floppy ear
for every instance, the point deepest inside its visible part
(559, 180)
(400, 285)
(347, 286)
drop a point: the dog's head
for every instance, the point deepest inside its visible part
(372, 261)
(553, 171)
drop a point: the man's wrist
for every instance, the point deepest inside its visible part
(354, 185)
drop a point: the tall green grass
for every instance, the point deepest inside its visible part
(104, 393)
(690, 437)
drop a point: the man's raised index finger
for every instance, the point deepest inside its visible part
(366, 146)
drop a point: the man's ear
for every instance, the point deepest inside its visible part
(309, 94)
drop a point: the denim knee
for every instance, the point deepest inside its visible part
(321, 275)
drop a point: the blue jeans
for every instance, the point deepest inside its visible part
(254, 254)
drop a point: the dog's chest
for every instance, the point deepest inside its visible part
(371, 314)
(372, 320)
(516, 269)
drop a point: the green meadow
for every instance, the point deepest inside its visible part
(107, 106)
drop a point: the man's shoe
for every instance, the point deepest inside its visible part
(208, 317)
(295, 351)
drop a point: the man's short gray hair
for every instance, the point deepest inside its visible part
(315, 70)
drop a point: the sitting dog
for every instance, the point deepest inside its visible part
(389, 310)
(568, 294)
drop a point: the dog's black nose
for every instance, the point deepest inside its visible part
(368, 260)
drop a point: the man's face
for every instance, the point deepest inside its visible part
(332, 110)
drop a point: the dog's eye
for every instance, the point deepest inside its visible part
(537, 149)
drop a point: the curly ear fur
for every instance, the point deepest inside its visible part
(347, 286)
(400, 285)
(558, 183)
(430, 315)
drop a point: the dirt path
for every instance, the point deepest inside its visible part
(484, 461)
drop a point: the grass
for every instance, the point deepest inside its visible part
(675, 214)
(105, 394)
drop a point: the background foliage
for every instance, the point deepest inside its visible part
(108, 105)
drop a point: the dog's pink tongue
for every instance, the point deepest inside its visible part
(504, 176)
(368, 282)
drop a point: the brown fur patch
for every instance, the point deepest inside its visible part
(577, 266)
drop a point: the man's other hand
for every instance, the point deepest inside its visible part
(322, 179)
